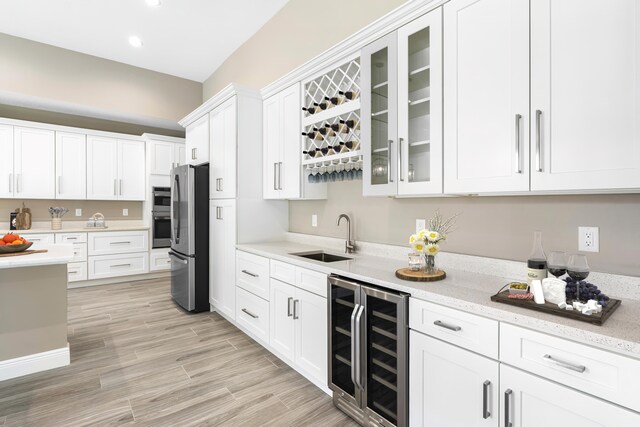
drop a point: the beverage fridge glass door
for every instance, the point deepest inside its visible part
(385, 364)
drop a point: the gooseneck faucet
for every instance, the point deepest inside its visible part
(349, 245)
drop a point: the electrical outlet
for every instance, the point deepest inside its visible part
(314, 220)
(421, 224)
(125, 212)
(78, 212)
(588, 239)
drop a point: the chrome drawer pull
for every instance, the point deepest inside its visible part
(289, 301)
(577, 368)
(244, 310)
(485, 399)
(121, 265)
(120, 243)
(507, 407)
(450, 327)
(295, 309)
(249, 273)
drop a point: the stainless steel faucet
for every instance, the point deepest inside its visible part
(349, 245)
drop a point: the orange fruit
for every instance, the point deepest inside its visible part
(2, 243)
(10, 237)
(16, 242)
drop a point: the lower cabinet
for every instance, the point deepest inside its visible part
(77, 271)
(222, 253)
(252, 313)
(159, 260)
(105, 266)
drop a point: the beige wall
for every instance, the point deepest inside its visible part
(293, 37)
(112, 210)
(44, 71)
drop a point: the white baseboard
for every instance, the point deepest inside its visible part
(33, 363)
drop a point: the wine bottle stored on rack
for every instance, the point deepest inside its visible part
(312, 153)
(335, 100)
(351, 145)
(314, 134)
(343, 126)
(350, 94)
(325, 131)
(311, 110)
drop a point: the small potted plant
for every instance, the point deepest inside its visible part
(427, 241)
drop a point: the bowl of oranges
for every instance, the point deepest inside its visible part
(13, 243)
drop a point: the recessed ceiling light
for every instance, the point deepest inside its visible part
(153, 3)
(135, 41)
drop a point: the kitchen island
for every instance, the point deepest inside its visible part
(33, 311)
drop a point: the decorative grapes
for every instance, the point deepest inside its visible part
(585, 291)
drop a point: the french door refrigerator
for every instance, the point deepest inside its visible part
(190, 236)
(368, 357)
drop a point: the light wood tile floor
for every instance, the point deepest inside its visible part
(137, 358)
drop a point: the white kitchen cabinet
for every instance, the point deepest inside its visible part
(77, 272)
(252, 314)
(450, 386)
(102, 168)
(585, 95)
(159, 260)
(106, 266)
(34, 163)
(39, 239)
(164, 156)
(282, 327)
(7, 176)
(117, 242)
(179, 154)
(486, 102)
(71, 166)
(131, 170)
(281, 144)
(531, 401)
(223, 148)
(197, 141)
(222, 250)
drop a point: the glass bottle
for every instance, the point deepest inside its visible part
(537, 262)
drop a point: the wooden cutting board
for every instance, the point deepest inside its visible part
(420, 275)
(27, 252)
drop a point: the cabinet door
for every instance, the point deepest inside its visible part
(486, 103)
(161, 157)
(272, 146)
(585, 95)
(197, 141)
(34, 163)
(102, 168)
(420, 105)
(179, 155)
(310, 318)
(289, 169)
(222, 250)
(281, 336)
(530, 401)
(71, 166)
(223, 150)
(450, 386)
(7, 177)
(379, 118)
(131, 170)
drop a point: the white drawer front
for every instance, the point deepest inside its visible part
(283, 271)
(252, 313)
(466, 330)
(77, 271)
(252, 273)
(598, 372)
(38, 239)
(79, 252)
(101, 267)
(159, 261)
(71, 238)
(119, 242)
(311, 281)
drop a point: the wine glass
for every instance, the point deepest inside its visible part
(577, 267)
(557, 263)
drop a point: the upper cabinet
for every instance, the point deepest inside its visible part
(281, 144)
(401, 110)
(71, 166)
(131, 171)
(197, 141)
(486, 101)
(34, 163)
(585, 95)
(223, 148)
(164, 156)
(115, 169)
(7, 176)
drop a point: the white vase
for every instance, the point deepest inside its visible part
(56, 223)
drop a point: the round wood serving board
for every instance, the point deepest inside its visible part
(420, 275)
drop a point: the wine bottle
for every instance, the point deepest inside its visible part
(342, 126)
(311, 153)
(351, 145)
(350, 94)
(313, 135)
(311, 110)
(325, 131)
(537, 262)
(321, 106)
(335, 100)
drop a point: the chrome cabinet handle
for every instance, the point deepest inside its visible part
(59, 184)
(115, 187)
(119, 243)
(72, 238)
(296, 303)
(249, 273)
(219, 212)
(447, 326)
(507, 407)
(121, 265)
(538, 140)
(121, 187)
(400, 140)
(280, 176)
(19, 183)
(275, 176)
(518, 120)
(221, 184)
(354, 313)
(567, 365)
(358, 349)
(289, 301)
(11, 182)
(250, 313)
(389, 159)
(485, 399)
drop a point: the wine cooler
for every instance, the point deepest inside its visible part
(368, 357)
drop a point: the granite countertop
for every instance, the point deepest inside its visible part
(56, 254)
(469, 292)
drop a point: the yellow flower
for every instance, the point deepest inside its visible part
(433, 236)
(412, 239)
(422, 234)
(432, 249)
(418, 247)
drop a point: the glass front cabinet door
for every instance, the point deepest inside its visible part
(402, 110)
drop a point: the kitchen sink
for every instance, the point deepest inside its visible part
(321, 256)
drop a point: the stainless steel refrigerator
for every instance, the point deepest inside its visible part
(368, 357)
(190, 236)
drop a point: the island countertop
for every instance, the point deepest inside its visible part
(56, 254)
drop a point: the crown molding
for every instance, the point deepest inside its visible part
(163, 138)
(217, 99)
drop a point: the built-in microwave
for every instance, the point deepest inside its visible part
(161, 224)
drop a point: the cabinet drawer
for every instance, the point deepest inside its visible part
(252, 313)
(39, 239)
(252, 274)
(120, 242)
(466, 330)
(79, 252)
(311, 281)
(71, 238)
(77, 271)
(159, 261)
(101, 267)
(598, 372)
(283, 271)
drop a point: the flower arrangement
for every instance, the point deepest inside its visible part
(428, 241)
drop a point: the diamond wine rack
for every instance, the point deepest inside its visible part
(331, 147)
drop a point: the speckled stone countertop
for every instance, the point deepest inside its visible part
(471, 292)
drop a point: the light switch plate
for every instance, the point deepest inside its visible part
(588, 239)
(78, 212)
(314, 220)
(421, 224)
(125, 212)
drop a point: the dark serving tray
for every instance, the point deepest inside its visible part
(595, 319)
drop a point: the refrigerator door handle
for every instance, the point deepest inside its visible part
(358, 349)
(180, 260)
(176, 210)
(353, 343)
